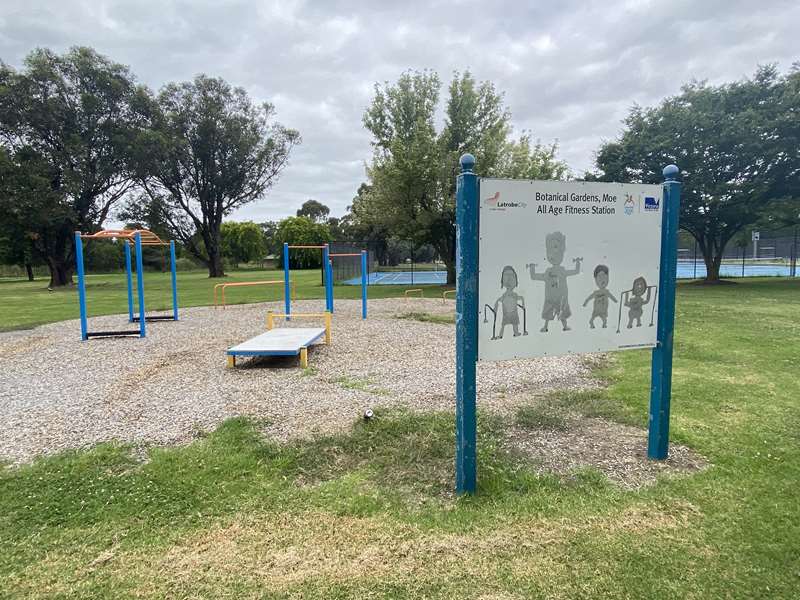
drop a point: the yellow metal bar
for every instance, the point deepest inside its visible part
(270, 317)
(415, 290)
(328, 319)
(444, 295)
(231, 361)
(304, 357)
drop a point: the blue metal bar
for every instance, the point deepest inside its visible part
(364, 284)
(287, 298)
(174, 269)
(661, 372)
(467, 189)
(140, 284)
(328, 270)
(81, 284)
(129, 278)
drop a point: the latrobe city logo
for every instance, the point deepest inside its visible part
(651, 203)
(494, 203)
(629, 204)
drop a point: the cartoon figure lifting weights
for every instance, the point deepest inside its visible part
(510, 302)
(634, 300)
(601, 296)
(556, 301)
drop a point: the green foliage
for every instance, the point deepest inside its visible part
(304, 232)
(736, 145)
(242, 242)
(314, 210)
(70, 124)
(211, 151)
(411, 193)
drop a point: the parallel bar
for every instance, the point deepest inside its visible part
(173, 266)
(112, 333)
(345, 254)
(286, 299)
(140, 284)
(467, 190)
(81, 284)
(661, 371)
(323, 246)
(129, 278)
(363, 284)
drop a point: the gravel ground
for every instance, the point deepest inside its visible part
(57, 392)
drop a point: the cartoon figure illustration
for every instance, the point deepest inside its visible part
(510, 302)
(601, 296)
(635, 299)
(556, 301)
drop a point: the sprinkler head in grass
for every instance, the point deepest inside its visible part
(368, 414)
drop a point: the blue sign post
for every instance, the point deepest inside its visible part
(661, 377)
(467, 186)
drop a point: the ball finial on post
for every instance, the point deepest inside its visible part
(467, 163)
(671, 172)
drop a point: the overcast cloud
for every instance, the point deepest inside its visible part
(570, 69)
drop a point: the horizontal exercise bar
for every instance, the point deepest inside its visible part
(155, 318)
(111, 333)
(345, 254)
(325, 246)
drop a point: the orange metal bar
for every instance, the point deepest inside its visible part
(148, 238)
(308, 246)
(346, 254)
(222, 286)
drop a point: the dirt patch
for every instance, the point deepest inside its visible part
(618, 451)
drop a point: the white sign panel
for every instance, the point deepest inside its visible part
(567, 267)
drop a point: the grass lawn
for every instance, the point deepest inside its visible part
(27, 304)
(370, 514)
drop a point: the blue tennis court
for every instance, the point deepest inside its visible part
(403, 278)
(685, 271)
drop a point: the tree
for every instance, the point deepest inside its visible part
(242, 242)
(411, 193)
(302, 231)
(736, 145)
(314, 210)
(74, 119)
(212, 151)
(269, 230)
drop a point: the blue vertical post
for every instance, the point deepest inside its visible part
(287, 297)
(661, 373)
(174, 269)
(81, 284)
(326, 263)
(140, 284)
(467, 187)
(129, 278)
(363, 284)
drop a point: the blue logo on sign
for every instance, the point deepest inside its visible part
(651, 203)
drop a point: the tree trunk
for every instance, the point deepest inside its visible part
(451, 271)
(713, 261)
(29, 271)
(215, 266)
(60, 272)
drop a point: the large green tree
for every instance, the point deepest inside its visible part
(74, 120)
(302, 231)
(314, 210)
(242, 242)
(411, 193)
(211, 151)
(738, 148)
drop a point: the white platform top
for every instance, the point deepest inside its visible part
(281, 340)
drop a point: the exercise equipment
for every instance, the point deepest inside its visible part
(130, 237)
(223, 286)
(364, 277)
(289, 341)
(445, 293)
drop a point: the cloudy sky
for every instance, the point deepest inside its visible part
(570, 69)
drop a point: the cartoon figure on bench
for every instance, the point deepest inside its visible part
(510, 302)
(635, 302)
(601, 296)
(556, 301)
